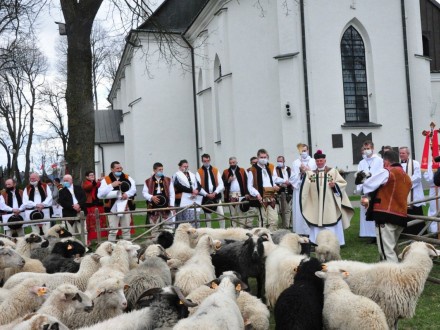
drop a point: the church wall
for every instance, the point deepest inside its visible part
(419, 66)
(158, 120)
(385, 63)
(248, 93)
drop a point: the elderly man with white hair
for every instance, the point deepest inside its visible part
(37, 197)
(73, 200)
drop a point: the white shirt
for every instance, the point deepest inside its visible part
(220, 186)
(373, 165)
(37, 198)
(266, 180)
(416, 179)
(15, 205)
(75, 201)
(105, 191)
(148, 196)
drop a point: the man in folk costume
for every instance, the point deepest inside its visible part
(324, 202)
(370, 163)
(212, 188)
(73, 200)
(11, 202)
(412, 168)
(262, 184)
(185, 182)
(388, 204)
(159, 192)
(286, 191)
(235, 182)
(117, 200)
(299, 167)
(37, 196)
(90, 186)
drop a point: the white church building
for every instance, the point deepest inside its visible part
(267, 74)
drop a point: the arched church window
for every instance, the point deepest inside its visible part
(354, 74)
(217, 68)
(425, 42)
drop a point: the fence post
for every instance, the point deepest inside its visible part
(82, 220)
(98, 225)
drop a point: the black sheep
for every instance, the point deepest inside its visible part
(300, 305)
(61, 259)
(165, 238)
(244, 257)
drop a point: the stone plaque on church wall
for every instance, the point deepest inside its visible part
(357, 142)
(337, 141)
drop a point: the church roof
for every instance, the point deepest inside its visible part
(107, 126)
(174, 15)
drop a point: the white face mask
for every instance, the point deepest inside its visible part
(368, 152)
(304, 155)
(262, 161)
(280, 164)
(35, 183)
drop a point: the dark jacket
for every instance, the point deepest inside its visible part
(66, 201)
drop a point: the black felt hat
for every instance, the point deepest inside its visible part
(125, 186)
(36, 215)
(14, 218)
(161, 203)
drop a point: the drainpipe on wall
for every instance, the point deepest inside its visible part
(306, 81)
(408, 83)
(102, 157)
(196, 121)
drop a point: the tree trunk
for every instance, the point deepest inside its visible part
(79, 17)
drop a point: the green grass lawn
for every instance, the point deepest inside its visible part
(357, 248)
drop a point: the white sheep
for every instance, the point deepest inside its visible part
(199, 269)
(24, 246)
(254, 312)
(163, 311)
(344, 310)
(4, 241)
(281, 266)
(22, 299)
(38, 321)
(219, 310)
(181, 248)
(10, 258)
(153, 272)
(64, 301)
(115, 266)
(89, 265)
(328, 246)
(395, 287)
(105, 249)
(233, 233)
(108, 302)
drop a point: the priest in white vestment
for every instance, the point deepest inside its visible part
(324, 203)
(370, 163)
(299, 167)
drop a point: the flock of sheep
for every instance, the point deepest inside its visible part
(198, 279)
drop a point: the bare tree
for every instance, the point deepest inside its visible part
(18, 98)
(54, 97)
(16, 18)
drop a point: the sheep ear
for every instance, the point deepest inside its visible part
(320, 274)
(404, 251)
(431, 247)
